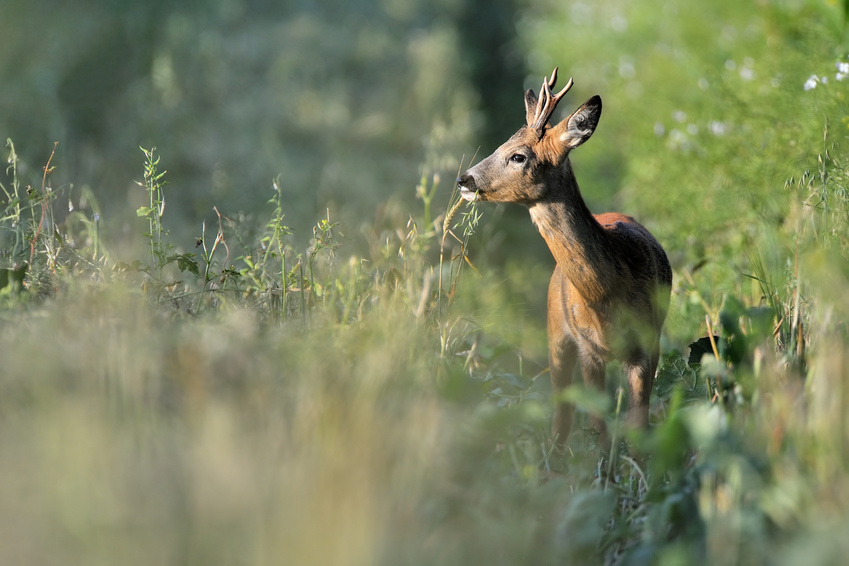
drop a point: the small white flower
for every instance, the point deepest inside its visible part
(659, 129)
(678, 140)
(811, 83)
(840, 76)
(824, 80)
(618, 23)
(842, 67)
(717, 128)
(680, 116)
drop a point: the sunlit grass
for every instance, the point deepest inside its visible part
(204, 416)
(256, 396)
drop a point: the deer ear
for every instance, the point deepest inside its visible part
(577, 128)
(530, 106)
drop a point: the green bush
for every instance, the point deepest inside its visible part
(308, 391)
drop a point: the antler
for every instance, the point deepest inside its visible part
(547, 102)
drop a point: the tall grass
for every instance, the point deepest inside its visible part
(249, 412)
(247, 398)
(301, 407)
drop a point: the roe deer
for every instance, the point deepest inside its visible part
(609, 293)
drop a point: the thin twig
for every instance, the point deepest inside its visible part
(47, 171)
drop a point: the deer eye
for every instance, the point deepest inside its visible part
(517, 158)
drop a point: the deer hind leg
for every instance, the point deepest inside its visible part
(562, 357)
(640, 373)
(593, 371)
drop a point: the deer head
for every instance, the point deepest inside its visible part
(534, 161)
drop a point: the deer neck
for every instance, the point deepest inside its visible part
(577, 241)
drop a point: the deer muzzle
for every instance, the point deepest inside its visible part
(467, 186)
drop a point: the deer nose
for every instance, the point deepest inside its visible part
(468, 187)
(466, 181)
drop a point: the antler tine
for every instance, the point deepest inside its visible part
(547, 101)
(553, 78)
(542, 103)
(563, 91)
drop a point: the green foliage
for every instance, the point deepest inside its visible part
(384, 392)
(236, 91)
(154, 184)
(235, 396)
(13, 221)
(706, 116)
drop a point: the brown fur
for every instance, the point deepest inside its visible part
(609, 293)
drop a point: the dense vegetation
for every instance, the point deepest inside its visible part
(286, 342)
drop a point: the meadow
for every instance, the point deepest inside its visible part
(351, 368)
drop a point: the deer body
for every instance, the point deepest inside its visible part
(608, 295)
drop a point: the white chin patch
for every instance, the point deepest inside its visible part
(468, 195)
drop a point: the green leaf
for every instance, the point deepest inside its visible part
(590, 400)
(676, 374)
(185, 262)
(13, 278)
(761, 322)
(144, 211)
(671, 371)
(578, 528)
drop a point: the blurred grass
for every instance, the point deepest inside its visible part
(338, 99)
(342, 396)
(212, 443)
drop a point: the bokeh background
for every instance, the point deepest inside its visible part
(353, 399)
(350, 104)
